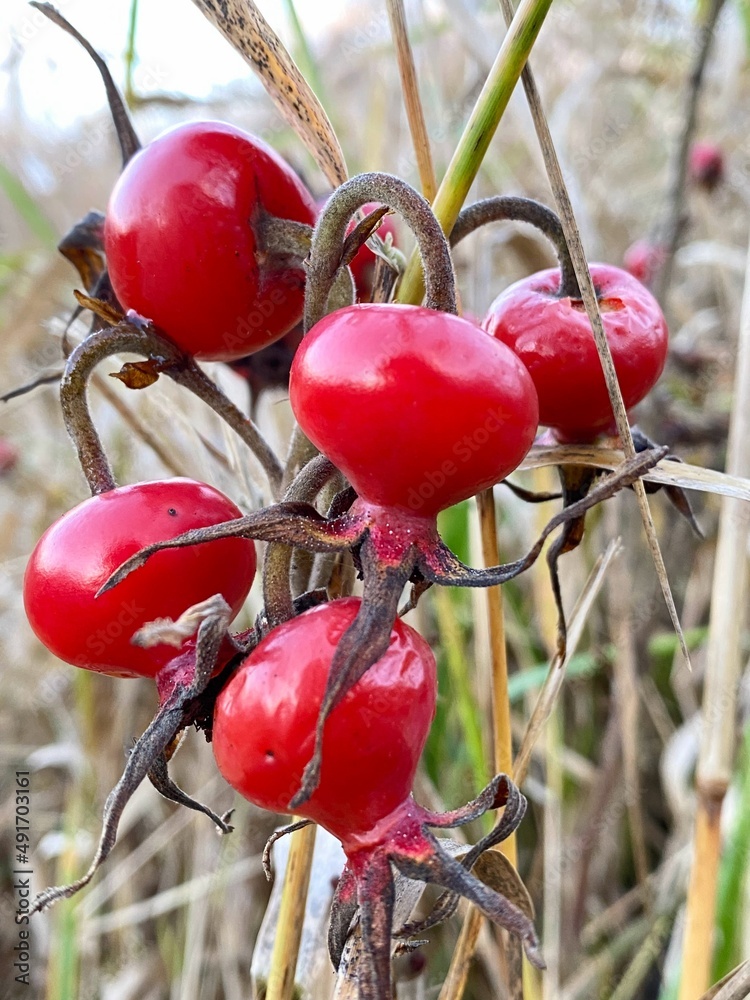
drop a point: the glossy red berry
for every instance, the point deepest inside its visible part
(706, 164)
(181, 239)
(553, 338)
(79, 552)
(265, 717)
(418, 408)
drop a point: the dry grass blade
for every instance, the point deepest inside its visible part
(667, 472)
(548, 695)
(455, 981)
(129, 143)
(723, 668)
(623, 634)
(244, 26)
(414, 111)
(735, 986)
(281, 978)
(588, 294)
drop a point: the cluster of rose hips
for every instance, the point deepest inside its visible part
(212, 248)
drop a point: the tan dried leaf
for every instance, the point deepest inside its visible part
(497, 872)
(137, 374)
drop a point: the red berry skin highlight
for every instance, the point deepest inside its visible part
(552, 336)
(79, 552)
(182, 242)
(264, 723)
(418, 408)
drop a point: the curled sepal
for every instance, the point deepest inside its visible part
(440, 565)
(576, 481)
(293, 523)
(426, 861)
(160, 778)
(129, 142)
(284, 831)
(181, 690)
(500, 792)
(363, 643)
(675, 494)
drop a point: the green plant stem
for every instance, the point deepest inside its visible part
(130, 54)
(452, 641)
(303, 54)
(480, 129)
(731, 918)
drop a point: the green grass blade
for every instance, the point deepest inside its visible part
(26, 207)
(480, 129)
(730, 911)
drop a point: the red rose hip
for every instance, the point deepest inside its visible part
(264, 722)
(183, 244)
(552, 336)
(419, 409)
(81, 550)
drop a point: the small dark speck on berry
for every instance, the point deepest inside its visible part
(172, 512)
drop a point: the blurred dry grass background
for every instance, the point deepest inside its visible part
(176, 910)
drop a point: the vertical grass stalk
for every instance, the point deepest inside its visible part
(414, 112)
(723, 668)
(455, 982)
(291, 915)
(480, 129)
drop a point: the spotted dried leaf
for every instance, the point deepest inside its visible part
(244, 26)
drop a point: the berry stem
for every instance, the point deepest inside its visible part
(127, 338)
(287, 238)
(515, 209)
(330, 233)
(278, 596)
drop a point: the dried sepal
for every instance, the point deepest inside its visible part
(182, 694)
(126, 135)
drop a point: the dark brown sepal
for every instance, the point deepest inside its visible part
(343, 911)
(675, 494)
(293, 523)
(149, 753)
(361, 233)
(126, 135)
(159, 777)
(83, 246)
(363, 643)
(529, 496)
(433, 865)
(277, 835)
